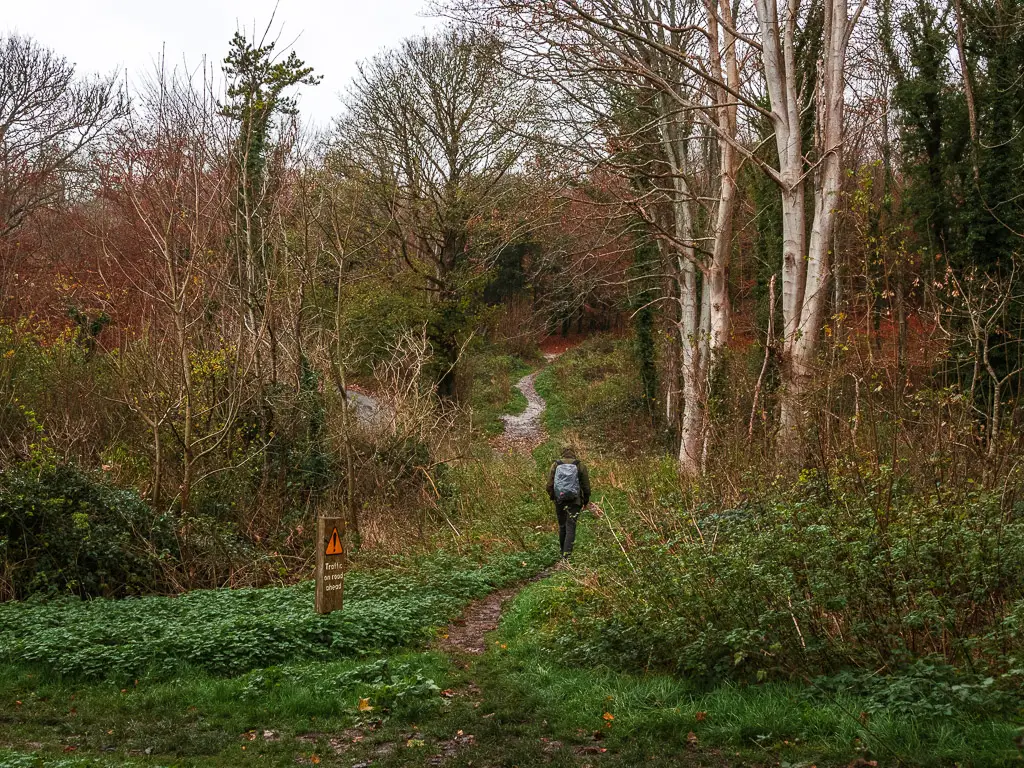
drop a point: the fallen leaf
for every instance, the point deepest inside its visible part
(314, 759)
(364, 705)
(702, 716)
(608, 716)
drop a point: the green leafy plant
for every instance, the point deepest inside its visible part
(67, 531)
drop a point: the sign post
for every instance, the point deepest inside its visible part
(330, 564)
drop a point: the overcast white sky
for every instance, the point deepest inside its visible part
(102, 35)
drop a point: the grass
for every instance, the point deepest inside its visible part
(516, 706)
(778, 722)
(252, 677)
(556, 416)
(783, 723)
(493, 392)
(276, 715)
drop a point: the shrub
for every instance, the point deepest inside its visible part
(807, 581)
(67, 531)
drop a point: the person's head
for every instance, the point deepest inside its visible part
(568, 454)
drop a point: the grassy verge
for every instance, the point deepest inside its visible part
(277, 716)
(556, 415)
(557, 632)
(493, 392)
(783, 724)
(516, 707)
(253, 677)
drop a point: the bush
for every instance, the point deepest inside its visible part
(808, 581)
(67, 531)
(376, 315)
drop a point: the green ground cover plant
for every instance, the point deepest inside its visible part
(232, 631)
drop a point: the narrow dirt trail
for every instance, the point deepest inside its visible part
(523, 432)
(468, 632)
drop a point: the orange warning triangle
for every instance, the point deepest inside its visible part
(334, 545)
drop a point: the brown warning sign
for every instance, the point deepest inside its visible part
(330, 564)
(334, 546)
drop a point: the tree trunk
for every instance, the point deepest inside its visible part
(692, 432)
(805, 273)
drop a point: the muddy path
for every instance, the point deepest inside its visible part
(523, 432)
(468, 633)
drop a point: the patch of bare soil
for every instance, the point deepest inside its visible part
(466, 634)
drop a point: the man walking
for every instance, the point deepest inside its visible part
(569, 488)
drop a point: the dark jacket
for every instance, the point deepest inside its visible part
(584, 479)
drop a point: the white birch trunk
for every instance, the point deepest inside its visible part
(689, 319)
(805, 266)
(692, 432)
(716, 276)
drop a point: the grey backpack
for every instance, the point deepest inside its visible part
(567, 483)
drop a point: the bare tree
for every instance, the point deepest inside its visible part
(977, 309)
(650, 91)
(433, 132)
(48, 119)
(806, 266)
(166, 178)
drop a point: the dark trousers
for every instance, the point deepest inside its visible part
(568, 515)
